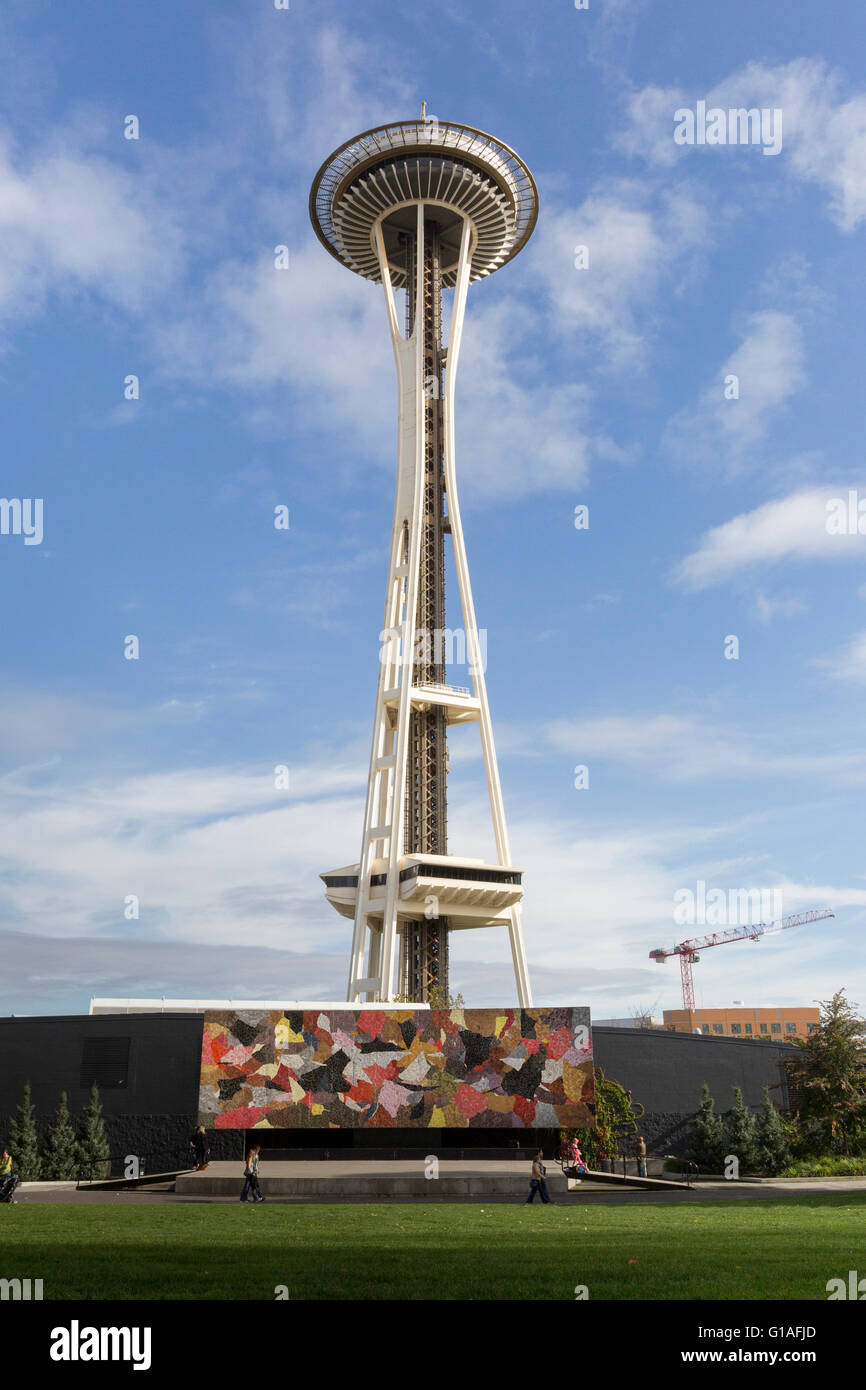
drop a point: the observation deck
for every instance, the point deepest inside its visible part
(382, 175)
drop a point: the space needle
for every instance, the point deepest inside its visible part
(423, 206)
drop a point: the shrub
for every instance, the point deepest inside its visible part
(23, 1142)
(60, 1151)
(93, 1150)
(708, 1146)
(740, 1135)
(771, 1139)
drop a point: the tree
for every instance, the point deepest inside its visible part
(827, 1072)
(60, 1152)
(739, 1133)
(23, 1140)
(708, 1146)
(643, 1016)
(439, 998)
(92, 1142)
(771, 1137)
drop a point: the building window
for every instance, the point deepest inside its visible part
(763, 1027)
(812, 1027)
(748, 1027)
(790, 1027)
(775, 1027)
(705, 1028)
(718, 1028)
(735, 1028)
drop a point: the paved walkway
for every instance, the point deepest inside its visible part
(585, 1194)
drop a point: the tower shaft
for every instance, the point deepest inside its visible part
(424, 945)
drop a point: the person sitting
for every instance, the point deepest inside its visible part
(8, 1179)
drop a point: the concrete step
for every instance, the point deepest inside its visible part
(366, 1179)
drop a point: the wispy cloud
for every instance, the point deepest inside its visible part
(847, 663)
(637, 245)
(824, 130)
(736, 408)
(689, 748)
(790, 528)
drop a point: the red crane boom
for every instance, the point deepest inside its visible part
(688, 950)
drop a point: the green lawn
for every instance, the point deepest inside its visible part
(719, 1250)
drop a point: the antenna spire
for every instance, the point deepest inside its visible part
(423, 111)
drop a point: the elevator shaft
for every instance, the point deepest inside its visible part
(424, 954)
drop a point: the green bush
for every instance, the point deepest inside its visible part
(826, 1167)
(741, 1138)
(60, 1151)
(92, 1145)
(616, 1123)
(23, 1143)
(772, 1139)
(708, 1144)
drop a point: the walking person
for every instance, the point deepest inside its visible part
(537, 1183)
(640, 1151)
(577, 1161)
(198, 1142)
(251, 1177)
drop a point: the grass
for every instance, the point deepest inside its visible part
(716, 1250)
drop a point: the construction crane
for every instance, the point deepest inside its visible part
(688, 950)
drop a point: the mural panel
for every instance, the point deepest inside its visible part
(397, 1068)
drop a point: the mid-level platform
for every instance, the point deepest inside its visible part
(468, 892)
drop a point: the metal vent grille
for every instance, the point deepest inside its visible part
(105, 1061)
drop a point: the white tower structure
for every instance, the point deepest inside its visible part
(423, 206)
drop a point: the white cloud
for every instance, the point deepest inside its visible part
(769, 608)
(221, 861)
(824, 133)
(634, 249)
(684, 748)
(71, 220)
(769, 367)
(848, 663)
(649, 128)
(791, 528)
(211, 853)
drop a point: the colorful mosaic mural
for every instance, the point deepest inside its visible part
(397, 1068)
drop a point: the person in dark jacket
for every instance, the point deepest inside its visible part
(199, 1143)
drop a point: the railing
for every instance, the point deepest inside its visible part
(444, 689)
(135, 1167)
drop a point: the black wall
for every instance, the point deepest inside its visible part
(666, 1071)
(154, 1113)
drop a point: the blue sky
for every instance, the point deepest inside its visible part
(601, 387)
